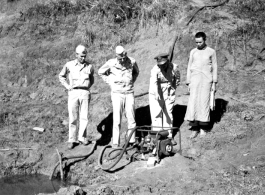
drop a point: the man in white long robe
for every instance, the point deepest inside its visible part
(201, 80)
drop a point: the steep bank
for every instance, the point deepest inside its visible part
(37, 39)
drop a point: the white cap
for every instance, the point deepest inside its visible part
(119, 50)
(81, 49)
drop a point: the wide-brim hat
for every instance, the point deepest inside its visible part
(161, 58)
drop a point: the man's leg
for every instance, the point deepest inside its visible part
(156, 113)
(83, 120)
(130, 114)
(195, 128)
(118, 104)
(73, 108)
(167, 115)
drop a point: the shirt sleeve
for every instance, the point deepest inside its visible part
(188, 69)
(63, 76)
(177, 75)
(153, 82)
(135, 71)
(91, 76)
(104, 70)
(214, 65)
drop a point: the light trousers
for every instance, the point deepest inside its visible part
(121, 103)
(78, 104)
(161, 113)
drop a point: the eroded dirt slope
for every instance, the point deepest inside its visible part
(37, 39)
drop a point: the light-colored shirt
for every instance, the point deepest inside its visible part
(203, 61)
(79, 75)
(164, 81)
(120, 77)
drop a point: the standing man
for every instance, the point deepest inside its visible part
(121, 73)
(165, 78)
(81, 78)
(201, 80)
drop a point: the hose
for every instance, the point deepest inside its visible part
(73, 157)
(111, 158)
(124, 149)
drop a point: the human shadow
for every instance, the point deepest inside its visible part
(217, 114)
(178, 117)
(105, 129)
(142, 118)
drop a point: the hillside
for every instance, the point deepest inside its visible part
(38, 37)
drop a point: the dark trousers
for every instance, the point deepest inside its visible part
(197, 125)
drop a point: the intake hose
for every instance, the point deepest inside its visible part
(73, 157)
(124, 149)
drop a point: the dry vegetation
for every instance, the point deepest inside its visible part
(37, 40)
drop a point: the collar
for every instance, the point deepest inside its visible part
(119, 65)
(83, 65)
(202, 48)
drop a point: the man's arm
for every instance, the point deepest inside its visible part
(154, 83)
(214, 65)
(135, 72)
(188, 69)
(177, 75)
(91, 77)
(63, 77)
(103, 71)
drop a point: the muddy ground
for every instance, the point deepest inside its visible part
(36, 40)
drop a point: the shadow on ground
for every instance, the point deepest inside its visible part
(143, 117)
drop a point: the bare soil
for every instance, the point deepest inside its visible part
(230, 159)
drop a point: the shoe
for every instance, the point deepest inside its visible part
(202, 133)
(194, 134)
(85, 142)
(71, 145)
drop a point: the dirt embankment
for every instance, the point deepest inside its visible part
(37, 39)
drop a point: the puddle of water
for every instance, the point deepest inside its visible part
(29, 185)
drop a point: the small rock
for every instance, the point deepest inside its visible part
(105, 191)
(65, 122)
(33, 95)
(151, 162)
(38, 129)
(247, 115)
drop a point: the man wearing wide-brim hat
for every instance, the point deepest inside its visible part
(165, 78)
(121, 73)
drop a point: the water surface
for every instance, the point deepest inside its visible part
(29, 185)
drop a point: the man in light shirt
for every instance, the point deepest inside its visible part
(201, 81)
(165, 78)
(81, 77)
(121, 73)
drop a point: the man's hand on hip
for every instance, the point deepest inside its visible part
(157, 97)
(69, 88)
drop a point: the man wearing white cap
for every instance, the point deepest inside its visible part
(121, 73)
(164, 80)
(81, 78)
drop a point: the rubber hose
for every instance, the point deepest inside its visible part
(120, 155)
(73, 157)
(111, 158)
(82, 156)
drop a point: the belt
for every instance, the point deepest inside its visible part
(84, 88)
